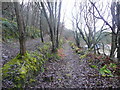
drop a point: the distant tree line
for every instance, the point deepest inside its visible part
(86, 16)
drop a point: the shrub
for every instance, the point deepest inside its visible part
(104, 71)
(10, 31)
(93, 66)
(32, 32)
(22, 70)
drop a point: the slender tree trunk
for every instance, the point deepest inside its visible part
(41, 35)
(58, 25)
(21, 28)
(51, 20)
(114, 36)
(118, 49)
(118, 31)
(103, 47)
(77, 39)
(94, 30)
(49, 24)
(41, 31)
(113, 46)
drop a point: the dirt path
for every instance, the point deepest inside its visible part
(71, 72)
(68, 72)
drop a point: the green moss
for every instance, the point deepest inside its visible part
(61, 42)
(82, 56)
(21, 69)
(93, 66)
(9, 64)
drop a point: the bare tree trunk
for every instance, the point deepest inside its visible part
(51, 20)
(118, 50)
(77, 39)
(41, 31)
(94, 30)
(114, 36)
(103, 47)
(118, 30)
(21, 28)
(58, 24)
(113, 46)
(50, 26)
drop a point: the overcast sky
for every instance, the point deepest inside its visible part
(67, 8)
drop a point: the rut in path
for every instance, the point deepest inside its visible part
(71, 72)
